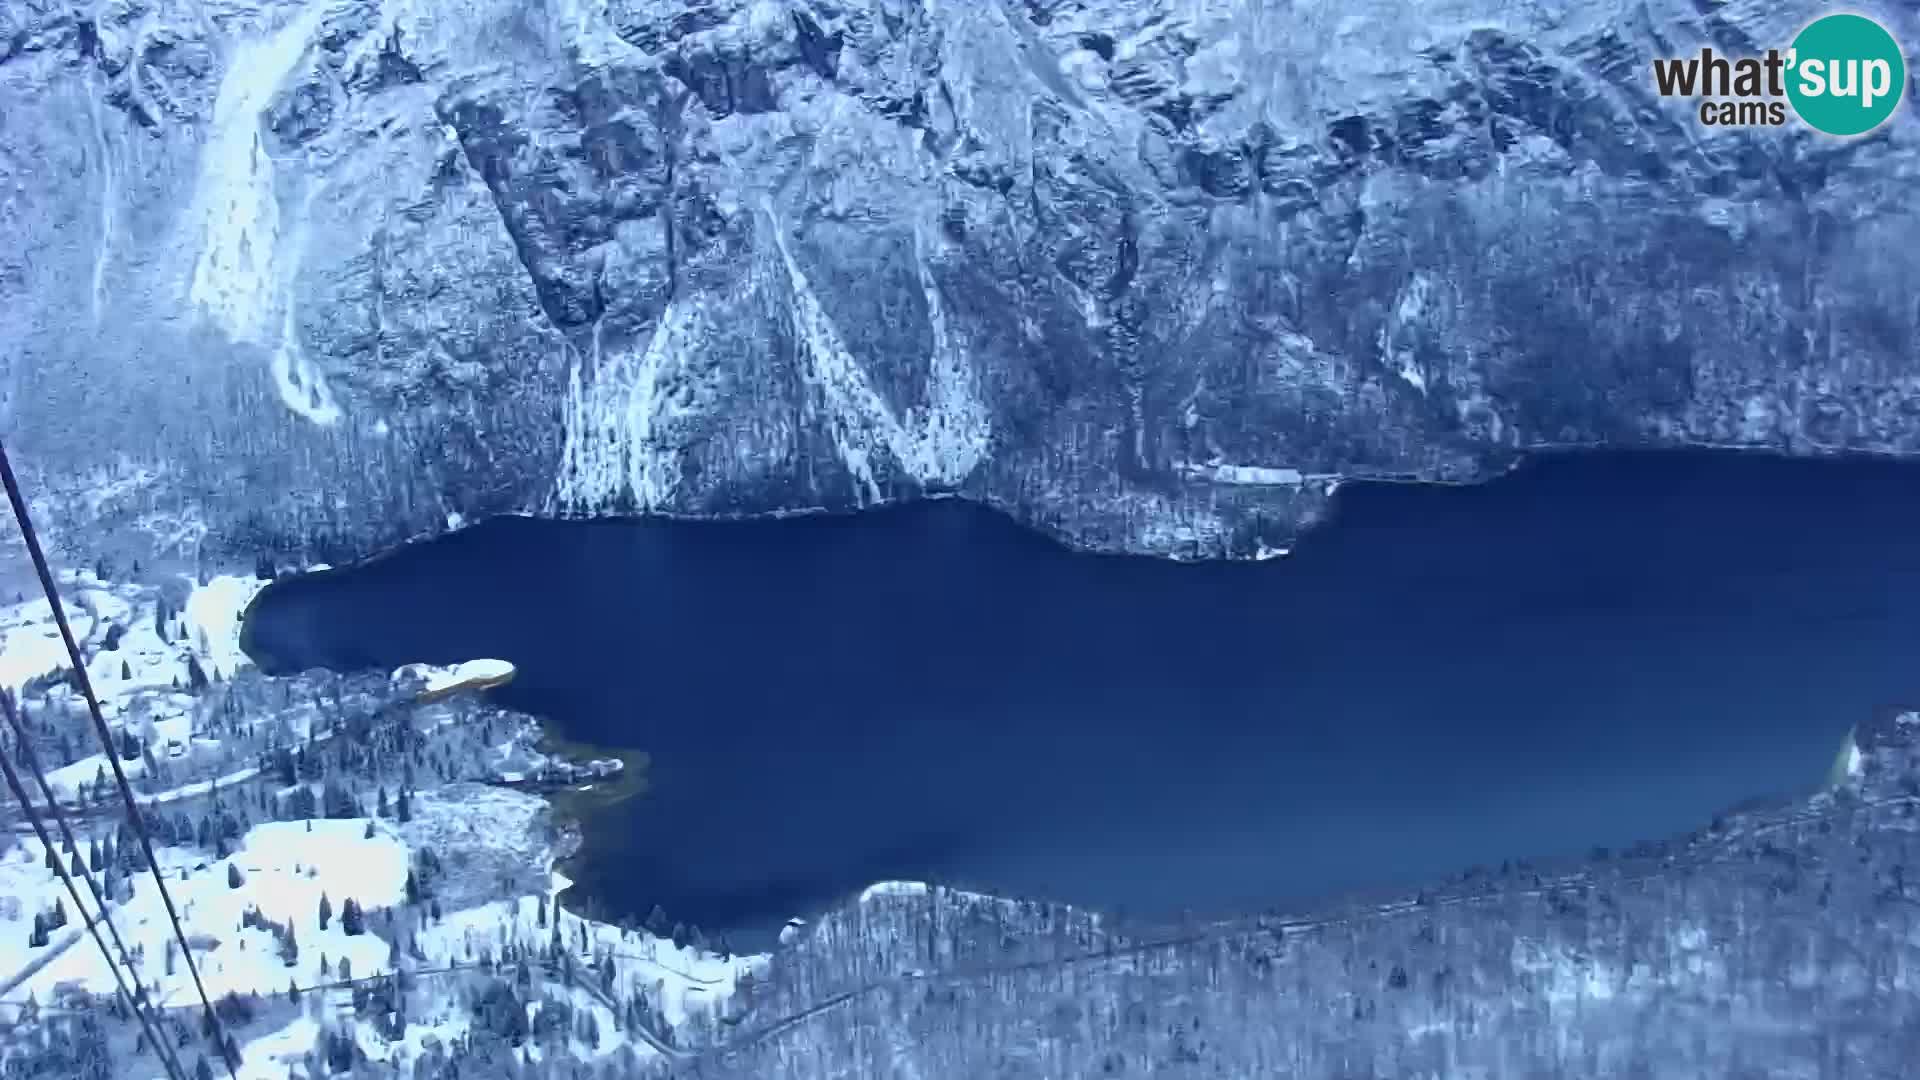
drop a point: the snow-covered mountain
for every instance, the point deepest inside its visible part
(317, 275)
(312, 277)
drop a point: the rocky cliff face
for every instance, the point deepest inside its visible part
(1154, 274)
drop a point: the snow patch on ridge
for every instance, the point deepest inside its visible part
(302, 387)
(860, 422)
(585, 24)
(109, 199)
(615, 425)
(938, 445)
(235, 208)
(1410, 305)
(953, 427)
(244, 250)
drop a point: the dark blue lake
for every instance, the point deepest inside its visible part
(1590, 651)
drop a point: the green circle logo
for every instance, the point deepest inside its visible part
(1846, 75)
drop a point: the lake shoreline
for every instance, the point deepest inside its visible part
(1582, 654)
(574, 806)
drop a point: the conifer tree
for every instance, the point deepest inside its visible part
(336, 801)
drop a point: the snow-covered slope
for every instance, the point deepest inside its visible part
(145, 658)
(1154, 274)
(157, 647)
(452, 880)
(284, 870)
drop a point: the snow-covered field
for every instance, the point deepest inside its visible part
(284, 870)
(144, 680)
(213, 614)
(269, 1056)
(152, 653)
(494, 847)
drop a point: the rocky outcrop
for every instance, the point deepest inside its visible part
(1153, 274)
